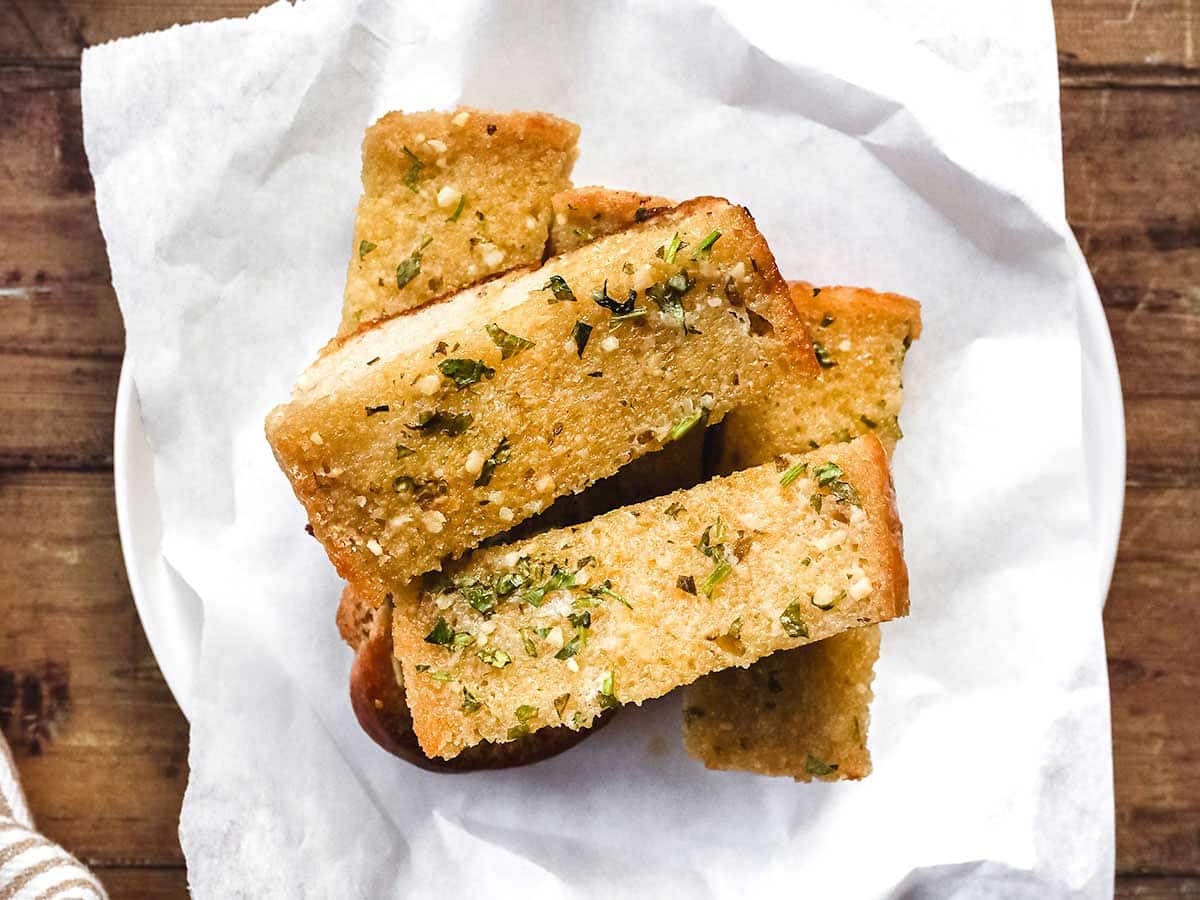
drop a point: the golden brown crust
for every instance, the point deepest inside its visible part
(583, 214)
(544, 401)
(648, 628)
(462, 195)
(378, 700)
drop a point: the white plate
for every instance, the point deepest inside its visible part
(172, 614)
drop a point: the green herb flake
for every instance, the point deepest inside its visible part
(618, 320)
(383, 407)
(423, 489)
(869, 422)
(807, 561)
(410, 268)
(465, 372)
(827, 319)
(687, 423)
(412, 177)
(560, 704)
(462, 202)
(525, 713)
(420, 667)
(510, 345)
(612, 304)
(823, 358)
(814, 766)
(529, 641)
(845, 492)
(495, 658)
(827, 474)
(705, 246)
(371, 362)
(560, 290)
(731, 640)
(442, 634)
(669, 252)
(452, 424)
(720, 572)
(792, 620)
(607, 695)
(499, 456)
(815, 502)
(574, 645)
(793, 473)
(365, 247)
(604, 589)
(578, 720)
(469, 702)
(441, 675)
(402, 451)
(687, 584)
(580, 334)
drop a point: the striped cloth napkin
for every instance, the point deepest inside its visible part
(31, 867)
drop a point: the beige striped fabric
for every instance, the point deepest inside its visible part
(31, 867)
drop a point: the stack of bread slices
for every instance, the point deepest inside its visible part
(574, 448)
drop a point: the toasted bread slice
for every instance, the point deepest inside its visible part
(450, 198)
(583, 214)
(557, 628)
(806, 713)
(420, 436)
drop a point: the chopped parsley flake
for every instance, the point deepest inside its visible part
(529, 641)
(469, 703)
(402, 451)
(561, 291)
(616, 307)
(845, 492)
(462, 202)
(604, 589)
(413, 176)
(814, 766)
(827, 319)
(580, 334)
(445, 636)
(371, 362)
(422, 668)
(823, 358)
(815, 501)
(827, 474)
(423, 489)
(705, 246)
(674, 510)
(410, 268)
(365, 247)
(792, 620)
(607, 696)
(441, 675)
(452, 424)
(687, 423)
(560, 704)
(499, 456)
(496, 658)
(668, 252)
(510, 345)
(869, 422)
(383, 407)
(667, 296)
(687, 583)
(465, 372)
(793, 473)
(720, 572)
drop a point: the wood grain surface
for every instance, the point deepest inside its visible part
(102, 746)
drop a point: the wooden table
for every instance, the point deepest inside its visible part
(100, 742)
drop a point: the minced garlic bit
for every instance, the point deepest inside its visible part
(373, 546)
(316, 438)
(573, 664)
(531, 223)
(545, 484)
(429, 384)
(860, 588)
(830, 540)
(714, 301)
(561, 219)
(433, 521)
(361, 501)
(506, 514)
(493, 256)
(448, 196)
(610, 343)
(474, 463)
(443, 601)
(438, 146)
(461, 119)
(823, 598)
(845, 345)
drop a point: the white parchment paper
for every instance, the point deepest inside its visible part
(903, 145)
